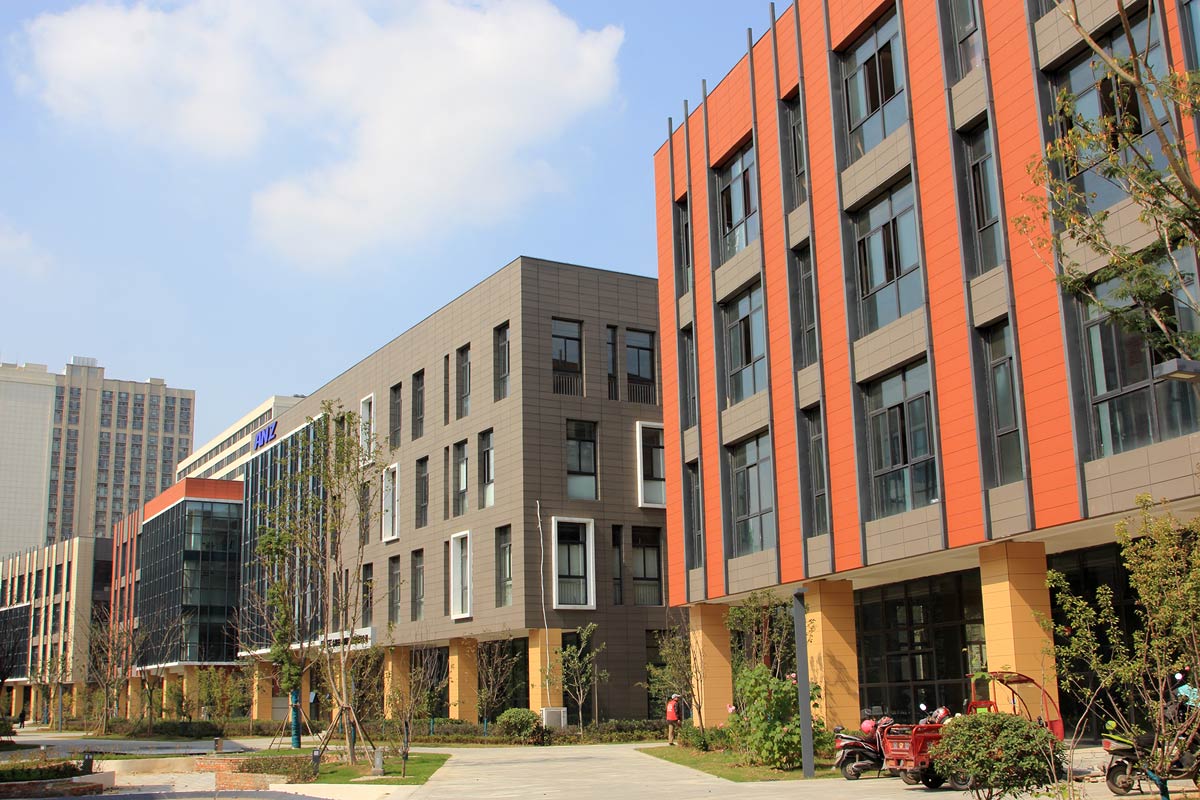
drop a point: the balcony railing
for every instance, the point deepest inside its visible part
(647, 592)
(572, 591)
(460, 502)
(640, 391)
(570, 383)
(614, 388)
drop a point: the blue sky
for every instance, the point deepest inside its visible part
(247, 198)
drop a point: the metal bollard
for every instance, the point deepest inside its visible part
(218, 745)
(378, 768)
(86, 766)
(316, 761)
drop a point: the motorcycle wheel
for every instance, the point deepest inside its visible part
(961, 781)
(932, 780)
(910, 778)
(1118, 779)
(848, 770)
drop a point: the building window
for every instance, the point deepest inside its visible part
(389, 512)
(1006, 438)
(804, 301)
(689, 411)
(639, 367)
(573, 558)
(581, 460)
(504, 575)
(753, 501)
(463, 361)
(647, 567)
(737, 203)
(967, 35)
(903, 473)
(446, 389)
(793, 132)
(460, 575)
(985, 203)
(618, 565)
(1191, 14)
(418, 404)
(874, 77)
(422, 493)
(652, 471)
(367, 588)
(395, 410)
(567, 356)
(487, 470)
(366, 425)
(418, 585)
(459, 476)
(889, 274)
(394, 590)
(500, 361)
(614, 390)
(683, 249)
(818, 509)
(1131, 409)
(745, 345)
(693, 516)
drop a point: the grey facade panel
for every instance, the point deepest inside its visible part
(892, 346)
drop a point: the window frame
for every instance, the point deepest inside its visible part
(888, 413)
(589, 554)
(504, 570)
(640, 357)
(418, 404)
(567, 374)
(366, 425)
(640, 562)
(895, 272)
(689, 407)
(968, 38)
(807, 330)
(755, 363)
(980, 167)
(641, 428)
(1007, 362)
(595, 461)
(421, 500)
(461, 593)
(417, 588)
(395, 582)
(487, 468)
(794, 151)
(738, 175)
(753, 472)
(389, 504)
(395, 414)
(460, 465)
(462, 381)
(852, 66)
(693, 515)
(684, 265)
(818, 493)
(501, 361)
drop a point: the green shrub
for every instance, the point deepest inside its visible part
(38, 770)
(519, 723)
(767, 727)
(298, 769)
(1002, 754)
(712, 738)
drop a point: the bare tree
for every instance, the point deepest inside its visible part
(681, 671)
(112, 642)
(496, 659)
(411, 699)
(577, 671)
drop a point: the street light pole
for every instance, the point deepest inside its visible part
(803, 690)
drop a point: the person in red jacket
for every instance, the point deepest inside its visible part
(672, 718)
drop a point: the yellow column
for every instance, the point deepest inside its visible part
(134, 686)
(172, 685)
(1015, 600)
(542, 643)
(464, 680)
(833, 650)
(396, 666)
(190, 686)
(18, 700)
(710, 642)
(260, 693)
(305, 691)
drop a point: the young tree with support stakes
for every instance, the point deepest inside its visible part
(496, 660)
(112, 642)
(412, 697)
(681, 671)
(576, 670)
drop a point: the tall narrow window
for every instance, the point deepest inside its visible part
(418, 404)
(418, 585)
(614, 390)
(618, 566)
(581, 460)
(504, 576)
(422, 493)
(753, 495)
(647, 566)
(1006, 438)
(446, 389)
(395, 410)
(367, 587)
(904, 475)
(366, 425)
(500, 362)
(818, 510)
(460, 575)
(460, 478)
(639, 366)
(969, 39)
(652, 472)
(567, 356)
(804, 306)
(793, 133)
(745, 345)
(394, 590)
(364, 512)
(985, 203)
(889, 266)
(873, 72)
(737, 203)
(683, 249)
(389, 519)
(463, 385)
(573, 549)
(693, 516)
(487, 470)
(689, 410)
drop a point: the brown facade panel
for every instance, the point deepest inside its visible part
(755, 571)
(989, 297)
(1008, 508)
(738, 272)
(968, 100)
(878, 169)
(748, 417)
(892, 346)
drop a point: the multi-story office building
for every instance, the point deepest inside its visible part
(82, 449)
(175, 573)
(225, 456)
(876, 388)
(523, 494)
(47, 598)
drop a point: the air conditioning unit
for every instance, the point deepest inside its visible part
(554, 717)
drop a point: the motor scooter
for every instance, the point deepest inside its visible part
(858, 754)
(1127, 756)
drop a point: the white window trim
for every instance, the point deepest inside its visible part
(455, 589)
(641, 481)
(389, 518)
(364, 441)
(589, 548)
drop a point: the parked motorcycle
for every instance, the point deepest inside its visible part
(1127, 757)
(857, 754)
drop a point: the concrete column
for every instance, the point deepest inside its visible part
(464, 680)
(172, 683)
(542, 643)
(260, 691)
(396, 666)
(134, 686)
(710, 642)
(306, 690)
(18, 700)
(190, 685)
(1015, 600)
(833, 650)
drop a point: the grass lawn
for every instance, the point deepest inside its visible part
(727, 764)
(420, 767)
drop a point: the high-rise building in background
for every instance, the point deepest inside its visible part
(874, 387)
(78, 450)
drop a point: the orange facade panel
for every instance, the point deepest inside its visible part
(849, 18)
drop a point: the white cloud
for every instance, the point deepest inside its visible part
(433, 110)
(20, 254)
